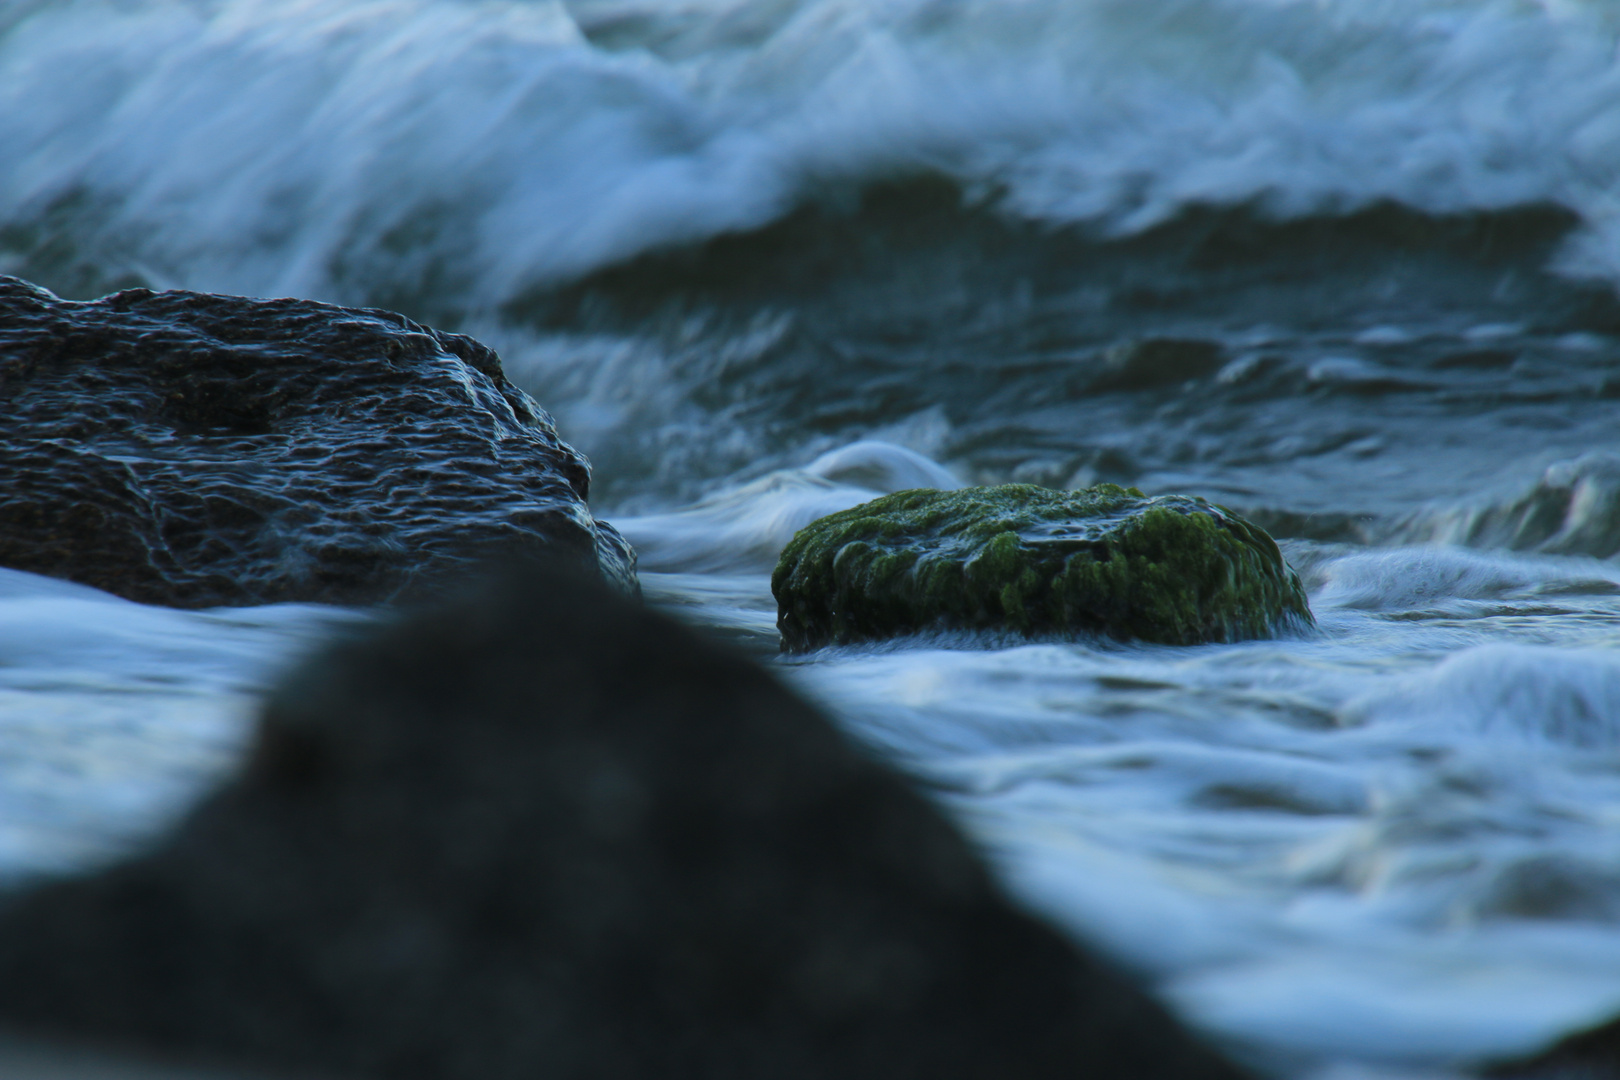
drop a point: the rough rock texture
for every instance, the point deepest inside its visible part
(190, 449)
(1104, 560)
(545, 833)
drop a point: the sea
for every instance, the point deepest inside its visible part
(1348, 267)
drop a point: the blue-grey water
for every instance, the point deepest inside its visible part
(766, 258)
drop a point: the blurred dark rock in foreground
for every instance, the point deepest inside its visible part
(1587, 1055)
(542, 832)
(190, 449)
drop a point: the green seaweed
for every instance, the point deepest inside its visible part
(1106, 560)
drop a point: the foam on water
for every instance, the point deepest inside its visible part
(1511, 692)
(383, 150)
(745, 528)
(1382, 849)
(115, 716)
(1436, 579)
(1308, 876)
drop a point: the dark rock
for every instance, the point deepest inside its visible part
(1155, 362)
(1587, 1055)
(545, 833)
(190, 449)
(1104, 560)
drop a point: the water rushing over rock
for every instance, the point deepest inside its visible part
(542, 831)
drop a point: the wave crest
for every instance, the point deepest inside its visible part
(389, 151)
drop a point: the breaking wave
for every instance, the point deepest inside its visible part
(403, 152)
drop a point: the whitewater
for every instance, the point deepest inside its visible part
(1346, 266)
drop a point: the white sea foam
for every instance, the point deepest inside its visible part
(739, 529)
(883, 467)
(114, 716)
(1530, 692)
(1352, 850)
(375, 148)
(1433, 577)
(745, 528)
(1383, 891)
(1362, 845)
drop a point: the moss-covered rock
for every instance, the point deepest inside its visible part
(1106, 560)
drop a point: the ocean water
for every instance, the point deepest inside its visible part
(1346, 266)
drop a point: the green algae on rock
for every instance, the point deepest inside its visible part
(1104, 560)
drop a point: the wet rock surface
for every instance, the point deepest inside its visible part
(198, 450)
(1104, 560)
(542, 831)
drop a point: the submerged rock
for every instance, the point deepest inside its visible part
(544, 832)
(1573, 508)
(1104, 560)
(195, 450)
(1156, 362)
